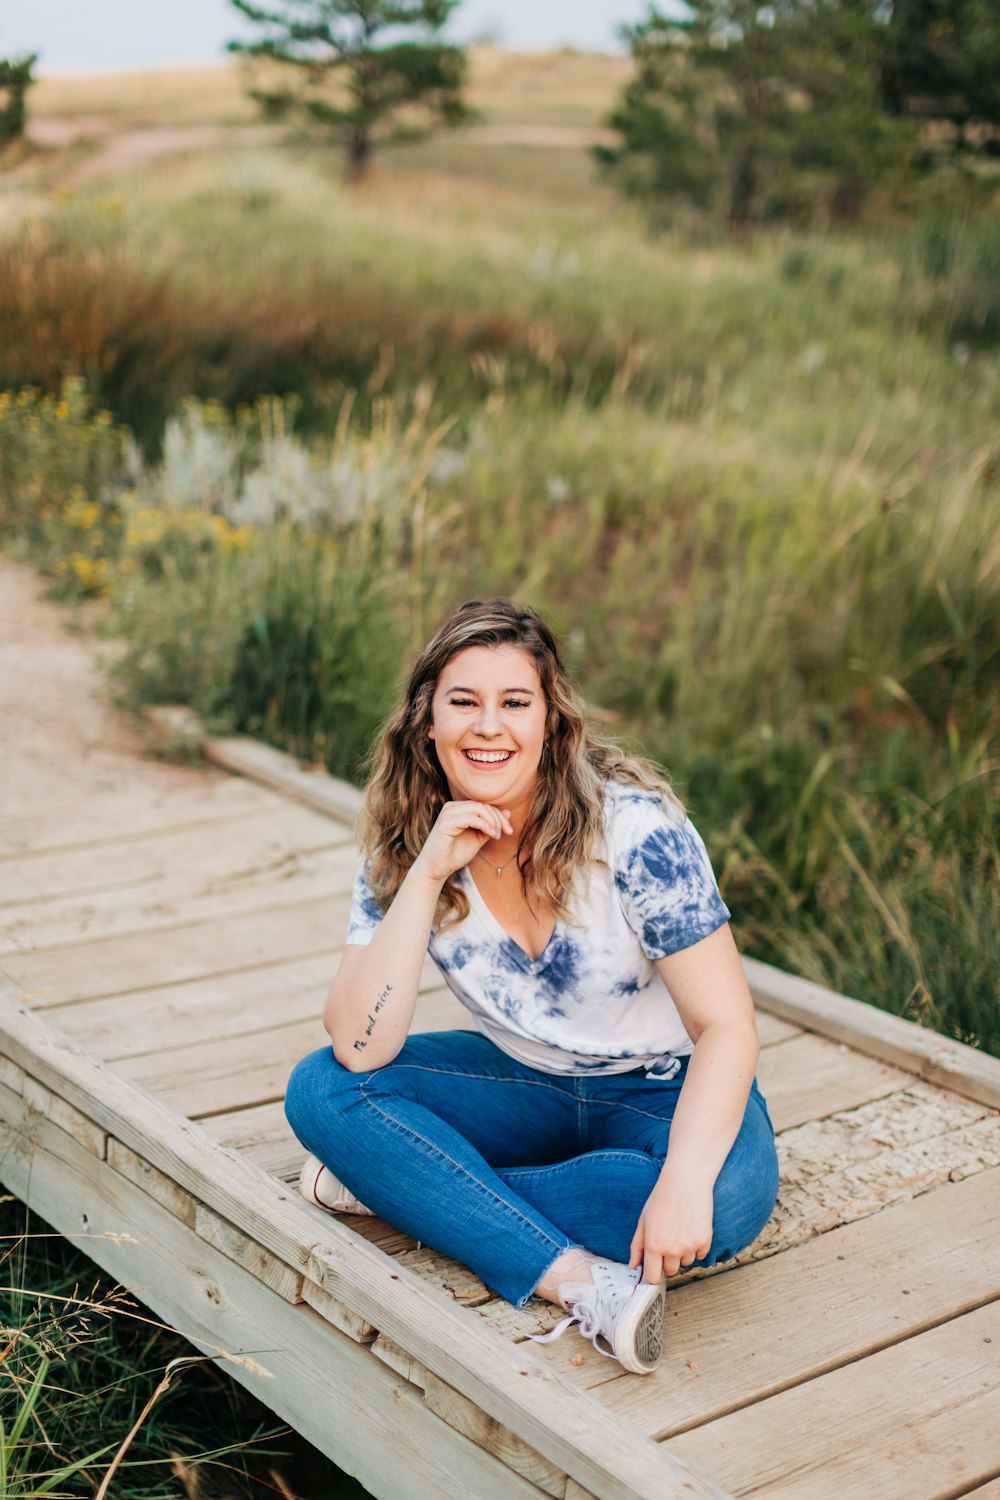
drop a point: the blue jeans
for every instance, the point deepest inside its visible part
(503, 1167)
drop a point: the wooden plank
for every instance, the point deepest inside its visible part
(211, 1079)
(988, 1491)
(918, 1419)
(763, 1328)
(262, 1136)
(179, 903)
(332, 1311)
(593, 1445)
(173, 1198)
(327, 1386)
(397, 1359)
(137, 1022)
(808, 1077)
(259, 841)
(41, 1101)
(10, 1076)
(203, 799)
(250, 1070)
(247, 1253)
(273, 768)
(771, 1030)
(937, 1059)
(487, 1433)
(199, 1010)
(110, 966)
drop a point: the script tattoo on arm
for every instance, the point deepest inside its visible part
(372, 1014)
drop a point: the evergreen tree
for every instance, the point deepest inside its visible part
(330, 42)
(15, 81)
(943, 62)
(757, 111)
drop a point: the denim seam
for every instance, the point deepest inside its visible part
(552, 1168)
(399, 1125)
(533, 1083)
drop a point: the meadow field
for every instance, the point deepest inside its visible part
(276, 427)
(755, 486)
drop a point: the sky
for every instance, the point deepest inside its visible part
(92, 36)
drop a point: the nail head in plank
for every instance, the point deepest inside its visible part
(876, 1032)
(918, 1419)
(486, 1432)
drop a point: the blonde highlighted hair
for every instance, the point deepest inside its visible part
(565, 825)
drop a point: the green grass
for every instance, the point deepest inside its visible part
(755, 487)
(84, 1364)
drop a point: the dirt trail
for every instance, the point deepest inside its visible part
(62, 742)
(123, 151)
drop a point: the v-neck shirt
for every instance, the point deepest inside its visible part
(593, 1001)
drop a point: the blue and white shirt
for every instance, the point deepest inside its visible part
(593, 1002)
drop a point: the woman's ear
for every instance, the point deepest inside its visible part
(430, 732)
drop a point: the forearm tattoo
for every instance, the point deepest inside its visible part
(372, 1015)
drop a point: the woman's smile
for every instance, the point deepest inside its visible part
(488, 725)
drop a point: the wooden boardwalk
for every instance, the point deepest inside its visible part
(164, 959)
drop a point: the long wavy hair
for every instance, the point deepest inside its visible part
(565, 824)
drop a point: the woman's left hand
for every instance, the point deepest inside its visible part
(675, 1227)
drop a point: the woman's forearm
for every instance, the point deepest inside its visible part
(371, 1001)
(712, 1100)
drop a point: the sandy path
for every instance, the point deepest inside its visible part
(133, 150)
(61, 742)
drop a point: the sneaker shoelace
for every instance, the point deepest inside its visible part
(595, 1306)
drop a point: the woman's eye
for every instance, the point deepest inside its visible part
(516, 703)
(461, 703)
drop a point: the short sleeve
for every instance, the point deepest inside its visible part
(664, 878)
(366, 914)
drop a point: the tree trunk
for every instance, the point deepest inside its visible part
(359, 152)
(744, 194)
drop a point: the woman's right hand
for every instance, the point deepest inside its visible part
(460, 831)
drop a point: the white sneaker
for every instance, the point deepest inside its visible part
(619, 1307)
(318, 1185)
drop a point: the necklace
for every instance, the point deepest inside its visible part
(498, 868)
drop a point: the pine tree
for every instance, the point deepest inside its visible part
(757, 111)
(343, 41)
(15, 81)
(943, 62)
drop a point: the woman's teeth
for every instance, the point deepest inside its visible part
(487, 757)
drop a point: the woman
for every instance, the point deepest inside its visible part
(602, 1129)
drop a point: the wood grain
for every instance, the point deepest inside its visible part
(918, 1420)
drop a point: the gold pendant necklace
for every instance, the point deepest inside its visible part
(498, 868)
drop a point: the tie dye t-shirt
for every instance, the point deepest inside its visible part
(593, 1002)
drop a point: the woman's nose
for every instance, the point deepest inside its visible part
(488, 721)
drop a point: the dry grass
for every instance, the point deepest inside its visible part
(547, 88)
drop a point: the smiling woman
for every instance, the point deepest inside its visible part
(604, 1128)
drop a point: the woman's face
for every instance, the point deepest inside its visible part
(488, 725)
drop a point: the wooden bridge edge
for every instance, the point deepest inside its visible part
(267, 1237)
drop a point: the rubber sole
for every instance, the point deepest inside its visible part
(639, 1334)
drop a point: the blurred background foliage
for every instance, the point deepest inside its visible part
(280, 425)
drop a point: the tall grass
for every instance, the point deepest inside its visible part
(97, 1398)
(755, 489)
